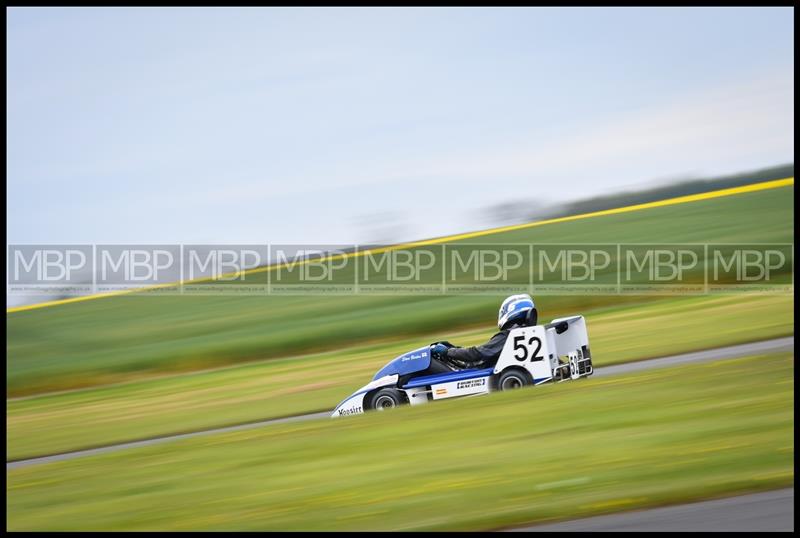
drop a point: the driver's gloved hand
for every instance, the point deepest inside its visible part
(439, 352)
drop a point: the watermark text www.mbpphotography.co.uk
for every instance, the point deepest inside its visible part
(456, 268)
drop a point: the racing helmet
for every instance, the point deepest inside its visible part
(515, 308)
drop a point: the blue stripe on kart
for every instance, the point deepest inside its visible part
(446, 378)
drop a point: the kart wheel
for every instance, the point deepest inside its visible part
(386, 398)
(513, 379)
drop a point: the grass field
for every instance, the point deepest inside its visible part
(533, 455)
(99, 416)
(117, 339)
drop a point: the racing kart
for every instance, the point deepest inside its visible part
(532, 355)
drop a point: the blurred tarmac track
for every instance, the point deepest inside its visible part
(771, 511)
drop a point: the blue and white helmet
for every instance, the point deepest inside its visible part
(514, 307)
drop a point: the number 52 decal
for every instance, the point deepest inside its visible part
(523, 347)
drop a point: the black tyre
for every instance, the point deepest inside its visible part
(513, 378)
(386, 398)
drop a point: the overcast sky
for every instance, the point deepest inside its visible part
(301, 125)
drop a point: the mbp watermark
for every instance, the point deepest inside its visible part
(63, 270)
(662, 269)
(399, 270)
(154, 268)
(224, 269)
(312, 269)
(487, 268)
(429, 269)
(742, 268)
(574, 269)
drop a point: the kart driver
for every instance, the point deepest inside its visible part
(516, 311)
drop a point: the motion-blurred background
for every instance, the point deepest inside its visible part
(376, 126)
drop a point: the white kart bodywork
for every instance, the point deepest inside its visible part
(534, 349)
(537, 349)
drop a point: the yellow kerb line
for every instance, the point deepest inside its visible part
(774, 184)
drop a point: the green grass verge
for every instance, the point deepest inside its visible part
(534, 455)
(101, 416)
(117, 339)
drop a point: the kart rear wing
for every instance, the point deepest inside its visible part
(570, 340)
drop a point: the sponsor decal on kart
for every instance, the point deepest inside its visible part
(414, 357)
(351, 411)
(464, 387)
(468, 384)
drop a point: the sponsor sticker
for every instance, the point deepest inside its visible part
(414, 357)
(351, 411)
(470, 383)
